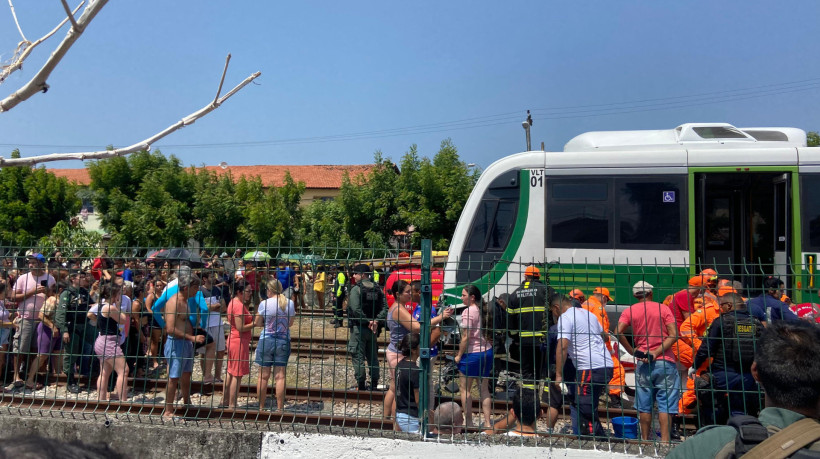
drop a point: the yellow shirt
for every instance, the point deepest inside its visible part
(319, 282)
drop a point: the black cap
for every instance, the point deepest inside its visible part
(361, 269)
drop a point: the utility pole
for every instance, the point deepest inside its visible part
(527, 124)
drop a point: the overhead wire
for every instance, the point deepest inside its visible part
(551, 113)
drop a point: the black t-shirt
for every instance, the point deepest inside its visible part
(407, 382)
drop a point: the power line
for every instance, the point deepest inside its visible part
(555, 113)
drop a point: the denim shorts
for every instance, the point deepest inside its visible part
(657, 381)
(273, 351)
(407, 423)
(180, 355)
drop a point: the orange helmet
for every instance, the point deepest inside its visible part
(532, 271)
(603, 291)
(578, 294)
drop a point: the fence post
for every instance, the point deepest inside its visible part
(424, 346)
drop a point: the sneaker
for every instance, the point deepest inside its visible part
(337, 323)
(614, 401)
(73, 388)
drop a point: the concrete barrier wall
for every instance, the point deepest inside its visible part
(147, 437)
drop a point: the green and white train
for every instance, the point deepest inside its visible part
(617, 207)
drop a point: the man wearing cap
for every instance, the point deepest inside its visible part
(767, 307)
(366, 309)
(30, 293)
(654, 332)
(596, 304)
(528, 322)
(578, 295)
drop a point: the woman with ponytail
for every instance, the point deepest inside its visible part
(474, 357)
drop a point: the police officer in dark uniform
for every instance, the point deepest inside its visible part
(71, 319)
(731, 342)
(528, 320)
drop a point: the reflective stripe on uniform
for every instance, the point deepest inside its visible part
(528, 386)
(526, 310)
(531, 334)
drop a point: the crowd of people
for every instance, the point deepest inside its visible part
(694, 352)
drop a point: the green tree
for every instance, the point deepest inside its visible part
(270, 216)
(144, 200)
(813, 139)
(217, 212)
(371, 204)
(32, 201)
(433, 193)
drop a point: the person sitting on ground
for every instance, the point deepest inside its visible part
(526, 410)
(448, 419)
(407, 385)
(787, 367)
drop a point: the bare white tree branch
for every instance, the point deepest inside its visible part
(21, 54)
(139, 146)
(38, 82)
(70, 14)
(14, 15)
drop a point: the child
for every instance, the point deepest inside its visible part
(407, 385)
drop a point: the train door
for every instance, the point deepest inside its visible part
(742, 225)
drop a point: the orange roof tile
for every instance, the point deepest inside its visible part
(314, 177)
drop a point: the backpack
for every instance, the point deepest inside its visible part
(372, 299)
(800, 440)
(740, 337)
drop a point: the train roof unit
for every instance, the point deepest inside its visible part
(689, 136)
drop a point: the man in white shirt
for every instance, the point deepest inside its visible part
(581, 336)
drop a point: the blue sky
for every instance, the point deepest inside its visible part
(341, 80)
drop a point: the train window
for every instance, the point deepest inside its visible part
(494, 220)
(650, 212)
(481, 223)
(719, 132)
(579, 213)
(580, 191)
(810, 209)
(502, 226)
(492, 228)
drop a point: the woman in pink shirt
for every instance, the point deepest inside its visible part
(474, 357)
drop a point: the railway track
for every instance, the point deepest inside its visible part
(314, 394)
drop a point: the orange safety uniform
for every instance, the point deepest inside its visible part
(691, 335)
(618, 380)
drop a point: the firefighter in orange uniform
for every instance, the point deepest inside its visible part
(596, 304)
(691, 335)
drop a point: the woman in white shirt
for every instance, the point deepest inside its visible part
(275, 316)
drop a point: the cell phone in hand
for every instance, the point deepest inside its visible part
(641, 355)
(44, 283)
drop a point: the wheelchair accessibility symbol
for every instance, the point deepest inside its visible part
(668, 196)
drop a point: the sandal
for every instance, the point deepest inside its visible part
(35, 387)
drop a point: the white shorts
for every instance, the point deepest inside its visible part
(218, 336)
